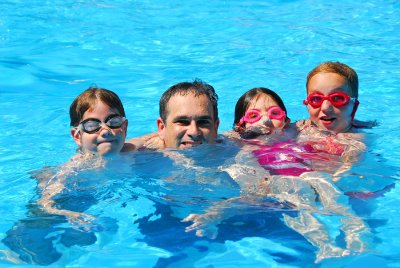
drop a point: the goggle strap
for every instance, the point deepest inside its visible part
(353, 113)
(77, 129)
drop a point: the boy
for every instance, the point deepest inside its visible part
(98, 122)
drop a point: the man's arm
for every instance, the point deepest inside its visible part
(151, 141)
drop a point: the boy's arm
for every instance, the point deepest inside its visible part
(53, 186)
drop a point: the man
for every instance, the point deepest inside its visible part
(188, 117)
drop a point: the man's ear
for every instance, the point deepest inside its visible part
(161, 128)
(216, 124)
(75, 135)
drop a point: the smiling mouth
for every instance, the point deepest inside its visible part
(110, 141)
(190, 144)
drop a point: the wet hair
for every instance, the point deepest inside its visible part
(88, 99)
(197, 88)
(244, 102)
(338, 68)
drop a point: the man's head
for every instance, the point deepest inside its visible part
(188, 115)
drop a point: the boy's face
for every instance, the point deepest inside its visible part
(327, 116)
(190, 122)
(105, 141)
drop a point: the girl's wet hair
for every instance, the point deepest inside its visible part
(244, 102)
(88, 99)
(337, 68)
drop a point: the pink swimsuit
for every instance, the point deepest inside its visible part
(286, 158)
(294, 159)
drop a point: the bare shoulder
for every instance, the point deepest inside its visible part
(230, 134)
(301, 124)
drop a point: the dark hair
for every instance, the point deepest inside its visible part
(197, 88)
(88, 100)
(337, 68)
(244, 101)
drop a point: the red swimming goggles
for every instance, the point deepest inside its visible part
(337, 99)
(255, 115)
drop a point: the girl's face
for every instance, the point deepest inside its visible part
(106, 140)
(328, 116)
(265, 106)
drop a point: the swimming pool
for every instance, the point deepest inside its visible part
(51, 52)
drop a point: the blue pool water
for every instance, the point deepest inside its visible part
(50, 51)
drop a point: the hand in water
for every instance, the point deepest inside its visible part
(205, 225)
(81, 221)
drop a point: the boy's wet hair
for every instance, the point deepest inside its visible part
(244, 101)
(338, 68)
(88, 99)
(197, 88)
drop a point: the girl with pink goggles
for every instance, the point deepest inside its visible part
(254, 115)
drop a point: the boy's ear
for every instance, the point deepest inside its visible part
(125, 126)
(161, 128)
(75, 135)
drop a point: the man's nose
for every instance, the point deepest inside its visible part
(193, 129)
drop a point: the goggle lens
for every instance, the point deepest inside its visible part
(276, 112)
(252, 116)
(337, 99)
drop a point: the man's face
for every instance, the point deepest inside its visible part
(190, 122)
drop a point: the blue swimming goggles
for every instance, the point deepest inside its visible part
(93, 125)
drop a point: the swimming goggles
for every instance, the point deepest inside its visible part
(254, 115)
(337, 99)
(92, 125)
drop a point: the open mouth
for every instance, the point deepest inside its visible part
(327, 120)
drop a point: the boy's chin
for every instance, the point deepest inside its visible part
(108, 152)
(255, 131)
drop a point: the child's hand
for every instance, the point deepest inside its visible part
(79, 220)
(328, 251)
(205, 225)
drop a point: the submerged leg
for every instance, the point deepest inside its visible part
(316, 233)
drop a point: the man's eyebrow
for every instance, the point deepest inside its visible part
(204, 117)
(185, 117)
(181, 117)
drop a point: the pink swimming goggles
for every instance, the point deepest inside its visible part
(337, 99)
(255, 115)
